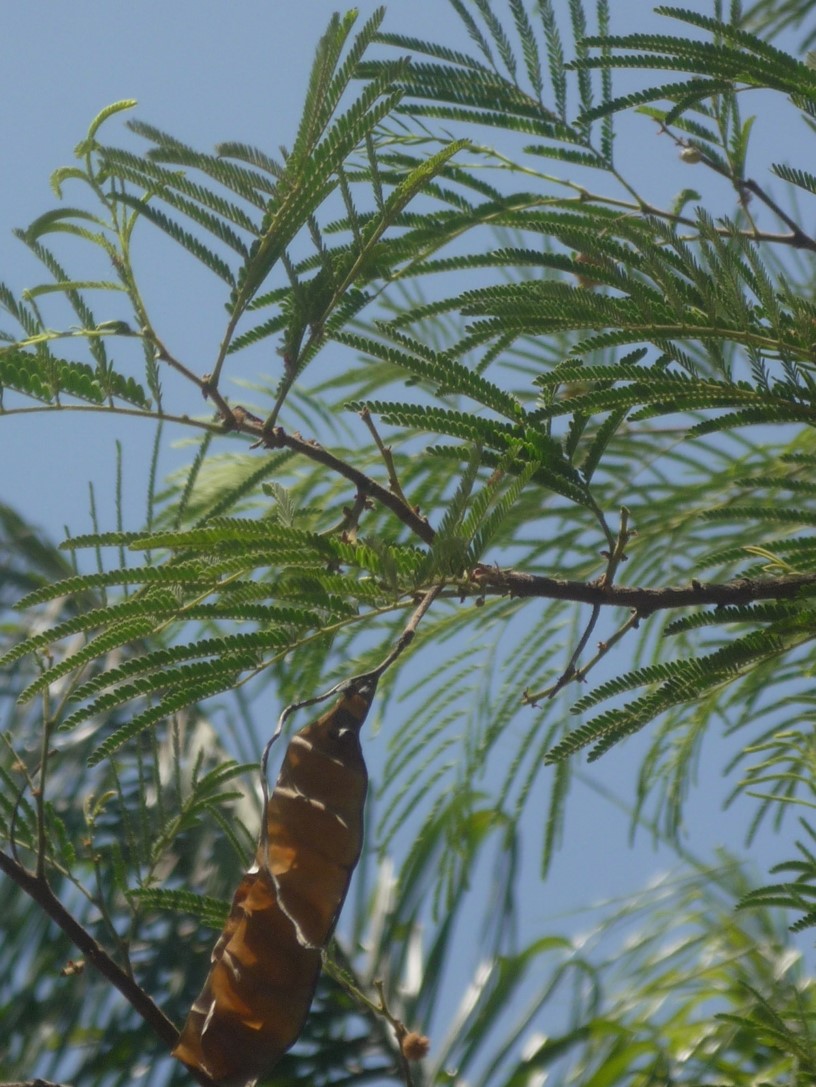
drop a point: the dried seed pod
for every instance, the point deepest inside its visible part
(266, 963)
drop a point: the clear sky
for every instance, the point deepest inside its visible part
(208, 70)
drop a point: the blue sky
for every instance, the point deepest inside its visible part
(207, 71)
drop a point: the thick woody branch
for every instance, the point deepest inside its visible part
(644, 601)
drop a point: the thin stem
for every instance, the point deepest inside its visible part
(165, 356)
(408, 633)
(385, 453)
(532, 698)
(400, 1030)
(570, 672)
(402, 643)
(604, 647)
(216, 427)
(614, 558)
(637, 205)
(380, 1011)
(316, 635)
(215, 376)
(39, 792)
(338, 966)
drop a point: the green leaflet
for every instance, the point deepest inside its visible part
(211, 912)
(676, 682)
(417, 358)
(176, 700)
(174, 681)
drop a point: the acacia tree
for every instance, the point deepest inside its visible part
(487, 354)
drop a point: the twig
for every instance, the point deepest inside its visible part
(213, 426)
(579, 674)
(208, 384)
(350, 521)
(355, 682)
(614, 558)
(570, 672)
(618, 554)
(40, 891)
(400, 1030)
(223, 349)
(406, 637)
(277, 438)
(341, 974)
(165, 356)
(385, 453)
(797, 238)
(604, 647)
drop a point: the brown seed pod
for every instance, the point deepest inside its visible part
(266, 963)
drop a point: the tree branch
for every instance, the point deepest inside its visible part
(743, 590)
(239, 420)
(32, 1083)
(38, 889)
(277, 438)
(797, 237)
(385, 453)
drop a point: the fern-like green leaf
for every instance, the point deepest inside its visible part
(210, 912)
(418, 358)
(191, 574)
(183, 237)
(175, 701)
(118, 615)
(253, 186)
(686, 680)
(225, 668)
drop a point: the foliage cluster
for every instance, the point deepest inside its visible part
(508, 362)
